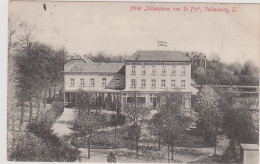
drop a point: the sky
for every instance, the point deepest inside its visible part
(84, 27)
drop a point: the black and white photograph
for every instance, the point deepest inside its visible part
(133, 82)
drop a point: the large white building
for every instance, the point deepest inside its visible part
(83, 74)
(144, 75)
(148, 73)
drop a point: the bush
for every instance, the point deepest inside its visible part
(32, 147)
(49, 100)
(132, 132)
(117, 119)
(39, 143)
(230, 155)
(50, 116)
(43, 132)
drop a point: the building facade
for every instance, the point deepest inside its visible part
(80, 74)
(141, 78)
(149, 73)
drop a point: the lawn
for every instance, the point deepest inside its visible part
(106, 139)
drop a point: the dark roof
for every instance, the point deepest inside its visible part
(71, 62)
(96, 67)
(159, 56)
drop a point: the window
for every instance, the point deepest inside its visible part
(72, 82)
(130, 99)
(183, 83)
(153, 69)
(143, 69)
(104, 81)
(133, 70)
(163, 70)
(162, 83)
(173, 70)
(153, 83)
(143, 83)
(82, 82)
(92, 82)
(117, 82)
(140, 100)
(183, 70)
(173, 83)
(133, 83)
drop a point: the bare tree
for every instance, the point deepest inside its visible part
(136, 111)
(173, 122)
(86, 122)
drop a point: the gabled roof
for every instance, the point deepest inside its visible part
(71, 63)
(96, 67)
(159, 56)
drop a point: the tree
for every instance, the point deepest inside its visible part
(86, 122)
(249, 74)
(84, 101)
(155, 127)
(173, 121)
(209, 114)
(136, 112)
(118, 105)
(228, 77)
(238, 123)
(31, 69)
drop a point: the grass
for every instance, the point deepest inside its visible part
(106, 139)
(192, 141)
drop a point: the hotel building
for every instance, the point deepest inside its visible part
(145, 74)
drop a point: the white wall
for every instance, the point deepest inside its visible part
(110, 81)
(158, 77)
(251, 157)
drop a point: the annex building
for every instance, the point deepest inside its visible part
(144, 75)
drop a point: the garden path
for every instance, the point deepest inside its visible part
(62, 125)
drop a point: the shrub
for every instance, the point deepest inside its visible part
(132, 132)
(31, 147)
(43, 132)
(230, 155)
(50, 116)
(49, 100)
(117, 119)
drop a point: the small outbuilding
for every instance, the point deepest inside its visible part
(249, 153)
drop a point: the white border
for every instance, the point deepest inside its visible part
(3, 60)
